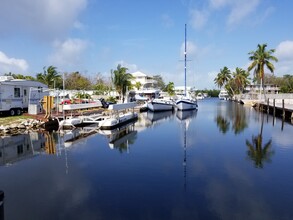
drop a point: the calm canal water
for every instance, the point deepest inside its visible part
(224, 161)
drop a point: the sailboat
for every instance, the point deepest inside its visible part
(186, 102)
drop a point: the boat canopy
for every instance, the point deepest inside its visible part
(122, 106)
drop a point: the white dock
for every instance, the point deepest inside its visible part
(118, 115)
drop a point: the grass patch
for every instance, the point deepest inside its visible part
(6, 120)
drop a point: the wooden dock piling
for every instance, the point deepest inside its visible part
(283, 109)
(268, 104)
(274, 108)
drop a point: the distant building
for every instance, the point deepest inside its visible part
(179, 90)
(269, 88)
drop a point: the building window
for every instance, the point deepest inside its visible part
(16, 92)
(24, 92)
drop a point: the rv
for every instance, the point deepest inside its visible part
(17, 94)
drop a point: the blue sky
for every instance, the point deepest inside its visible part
(94, 36)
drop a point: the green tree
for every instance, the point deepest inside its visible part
(49, 76)
(170, 89)
(241, 79)
(76, 81)
(260, 59)
(121, 80)
(20, 76)
(137, 85)
(223, 77)
(286, 84)
(160, 82)
(101, 86)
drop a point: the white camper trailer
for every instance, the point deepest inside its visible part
(17, 94)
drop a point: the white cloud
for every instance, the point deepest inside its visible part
(131, 67)
(13, 65)
(69, 53)
(284, 50)
(167, 21)
(240, 10)
(191, 49)
(198, 18)
(45, 19)
(284, 53)
(216, 4)
(78, 25)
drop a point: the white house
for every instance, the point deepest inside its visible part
(145, 80)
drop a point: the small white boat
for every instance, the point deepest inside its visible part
(223, 95)
(118, 120)
(186, 103)
(70, 122)
(199, 96)
(119, 116)
(160, 105)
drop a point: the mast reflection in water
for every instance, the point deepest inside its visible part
(235, 166)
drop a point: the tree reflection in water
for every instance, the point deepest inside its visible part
(223, 124)
(257, 151)
(231, 113)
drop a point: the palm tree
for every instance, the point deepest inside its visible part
(241, 79)
(137, 85)
(223, 77)
(170, 89)
(257, 151)
(260, 59)
(121, 80)
(49, 76)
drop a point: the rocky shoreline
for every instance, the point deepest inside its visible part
(21, 126)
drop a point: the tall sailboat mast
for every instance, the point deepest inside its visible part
(185, 54)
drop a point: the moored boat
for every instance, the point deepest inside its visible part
(186, 102)
(223, 95)
(160, 105)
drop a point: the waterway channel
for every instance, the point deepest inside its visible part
(224, 161)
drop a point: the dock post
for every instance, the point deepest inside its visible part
(274, 108)
(283, 108)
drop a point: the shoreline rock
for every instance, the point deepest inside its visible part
(20, 127)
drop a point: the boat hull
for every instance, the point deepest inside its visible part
(112, 123)
(160, 106)
(186, 105)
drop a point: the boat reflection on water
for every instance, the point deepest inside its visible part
(185, 118)
(68, 137)
(183, 115)
(121, 138)
(156, 117)
(20, 147)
